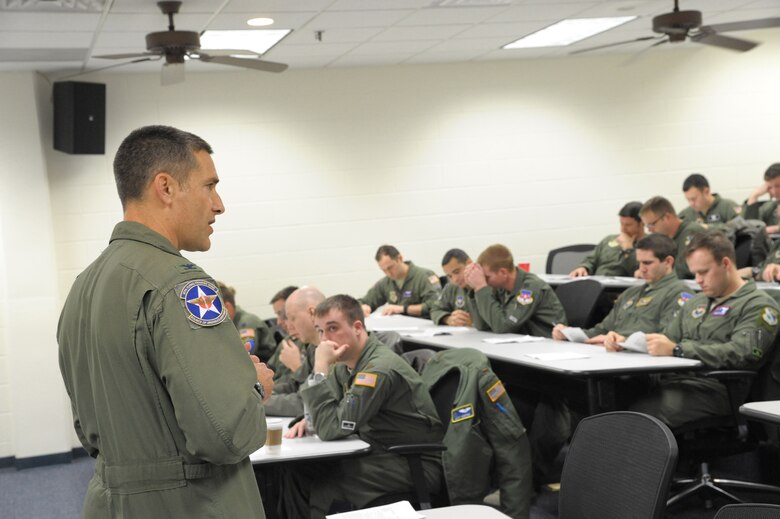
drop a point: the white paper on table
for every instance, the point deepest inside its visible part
(512, 338)
(434, 331)
(637, 341)
(574, 334)
(557, 355)
(399, 329)
(399, 510)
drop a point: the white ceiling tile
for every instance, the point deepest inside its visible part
(307, 36)
(368, 60)
(272, 6)
(331, 20)
(43, 40)
(398, 47)
(10, 21)
(286, 20)
(469, 46)
(153, 23)
(433, 32)
(507, 31)
(320, 49)
(356, 5)
(542, 11)
(453, 15)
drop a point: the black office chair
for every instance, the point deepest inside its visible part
(584, 302)
(749, 511)
(565, 259)
(391, 339)
(619, 465)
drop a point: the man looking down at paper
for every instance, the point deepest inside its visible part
(647, 308)
(453, 307)
(730, 324)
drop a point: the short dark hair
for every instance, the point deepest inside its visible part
(228, 293)
(387, 250)
(657, 205)
(772, 171)
(631, 210)
(345, 304)
(458, 254)
(660, 245)
(283, 294)
(149, 150)
(714, 241)
(696, 180)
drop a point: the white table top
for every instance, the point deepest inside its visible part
(464, 512)
(608, 281)
(768, 411)
(309, 447)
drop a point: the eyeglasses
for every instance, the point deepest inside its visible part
(653, 224)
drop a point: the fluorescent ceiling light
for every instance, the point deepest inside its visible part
(260, 22)
(567, 32)
(258, 40)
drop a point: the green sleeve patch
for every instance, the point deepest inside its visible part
(768, 317)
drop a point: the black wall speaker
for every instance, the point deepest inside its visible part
(80, 117)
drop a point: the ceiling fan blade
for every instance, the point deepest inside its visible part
(229, 52)
(172, 73)
(127, 56)
(638, 55)
(256, 64)
(762, 23)
(726, 42)
(643, 38)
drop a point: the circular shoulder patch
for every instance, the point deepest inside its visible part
(202, 303)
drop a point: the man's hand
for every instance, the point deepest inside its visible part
(579, 272)
(771, 273)
(458, 318)
(659, 345)
(265, 376)
(475, 276)
(625, 241)
(611, 341)
(297, 431)
(392, 309)
(327, 354)
(557, 332)
(758, 193)
(596, 339)
(366, 310)
(290, 355)
(773, 229)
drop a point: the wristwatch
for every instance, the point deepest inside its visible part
(406, 308)
(317, 378)
(678, 351)
(260, 389)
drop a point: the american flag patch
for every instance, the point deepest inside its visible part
(495, 391)
(365, 379)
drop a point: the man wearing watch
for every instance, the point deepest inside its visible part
(359, 386)
(730, 324)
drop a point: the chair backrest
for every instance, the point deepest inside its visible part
(619, 465)
(391, 339)
(749, 511)
(580, 300)
(565, 259)
(443, 395)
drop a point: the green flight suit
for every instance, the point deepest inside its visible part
(764, 211)
(682, 238)
(644, 308)
(161, 387)
(722, 335)
(721, 211)
(452, 298)
(286, 399)
(608, 259)
(253, 330)
(384, 401)
(486, 440)
(421, 286)
(531, 308)
(773, 256)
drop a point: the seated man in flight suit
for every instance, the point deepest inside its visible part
(406, 288)
(648, 307)
(452, 307)
(258, 338)
(705, 208)
(767, 211)
(359, 386)
(658, 216)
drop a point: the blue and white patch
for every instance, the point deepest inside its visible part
(685, 296)
(699, 311)
(460, 302)
(720, 310)
(525, 297)
(769, 315)
(464, 412)
(407, 294)
(202, 303)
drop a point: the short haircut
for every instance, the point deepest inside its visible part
(347, 305)
(228, 293)
(495, 257)
(657, 205)
(283, 294)
(714, 241)
(458, 254)
(631, 210)
(387, 250)
(660, 245)
(696, 180)
(150, 150)
(772, 172)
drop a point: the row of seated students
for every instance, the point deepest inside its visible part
(332, 370)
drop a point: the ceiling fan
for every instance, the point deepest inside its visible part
(678, 26)
(175, 46)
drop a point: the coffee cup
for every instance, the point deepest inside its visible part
(273, 437)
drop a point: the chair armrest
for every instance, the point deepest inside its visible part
(416, 448)
(728, 374)
(737, 382)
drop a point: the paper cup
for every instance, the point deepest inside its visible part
(273, 437)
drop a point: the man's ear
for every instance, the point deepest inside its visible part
(164, 186)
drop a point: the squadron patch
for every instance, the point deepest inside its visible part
(202, 303)
(628, 303)
(525, 297)
(685, 296)
(433, 279)
(769, 315)
(699, 311)
(613, 243)
(496, 391)
(460, 302)
(720, 310)
(365, 379)
(644, 301)
(461, 413)
(392, 296)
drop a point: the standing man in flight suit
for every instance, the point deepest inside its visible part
(257, 336)
(162, 390)
(406, 288)
(658, 216)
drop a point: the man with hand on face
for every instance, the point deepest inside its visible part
(359, 386)
(510, 300)
(406, 288)
(452, 307)
(769, 211)
(614, 255)
(730, 324)
(646, 308)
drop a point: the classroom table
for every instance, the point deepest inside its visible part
(609, 282)
(768, 411)
(464, 512)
